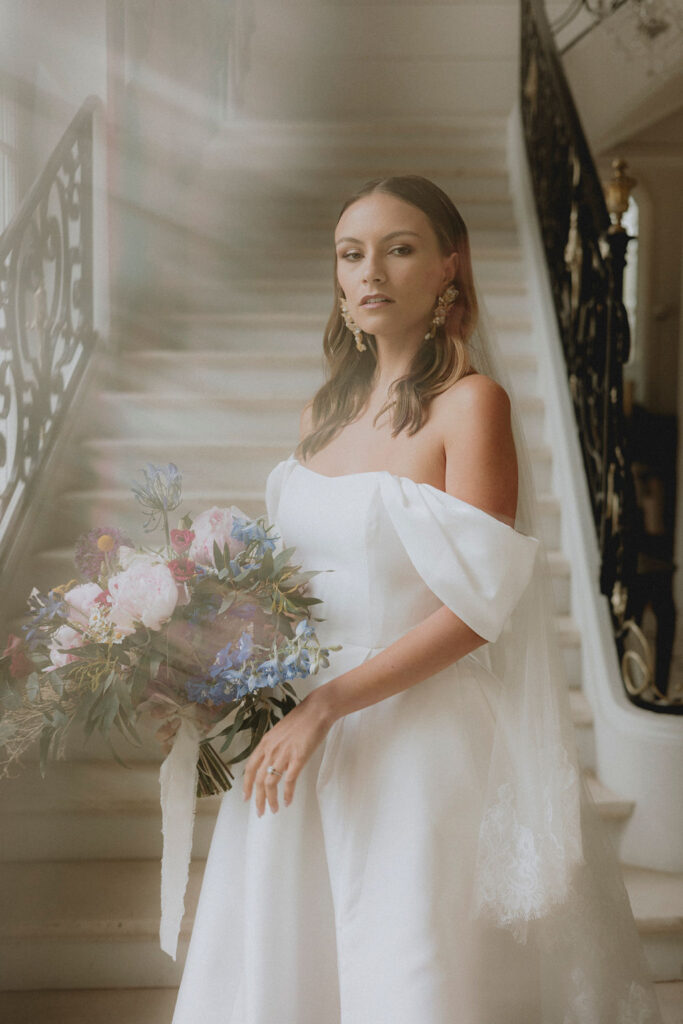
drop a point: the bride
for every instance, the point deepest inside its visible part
(416, 844)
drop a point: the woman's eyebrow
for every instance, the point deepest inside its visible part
(392, 234)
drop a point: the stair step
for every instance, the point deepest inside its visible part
(657, 903)
(89, 1006)
(480, 131)
(300, 259)
(182, 416)
(212, 299)
(95, 924)
(155, 1005)
(96, 810)
(582, 717)
(77, 511)
(229, 373)
(113, 462)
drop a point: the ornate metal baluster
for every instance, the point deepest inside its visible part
(46, 313)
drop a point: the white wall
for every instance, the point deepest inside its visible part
(55, 55)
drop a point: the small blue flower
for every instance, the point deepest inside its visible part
(304, 628)
(270, 673)
(248, 530)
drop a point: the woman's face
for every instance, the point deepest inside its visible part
(387, 248)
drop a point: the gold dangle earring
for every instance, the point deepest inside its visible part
(442, 309)
(352, 325)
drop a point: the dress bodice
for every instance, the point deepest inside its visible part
(393, 550)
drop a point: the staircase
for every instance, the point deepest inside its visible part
(220, 395)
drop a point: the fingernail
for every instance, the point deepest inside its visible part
(244, 794)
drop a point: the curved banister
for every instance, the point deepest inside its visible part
(585, 257)
(46, 313)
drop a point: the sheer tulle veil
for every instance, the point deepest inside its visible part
(547, 871)
(530, 838)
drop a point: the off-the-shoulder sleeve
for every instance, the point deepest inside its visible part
(274, 484)
(477, 565)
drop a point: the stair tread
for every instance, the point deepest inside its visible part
(582, 713)
(69, 899)
(656, 897)
(609, 803)
(101, 788)
(147, 1005)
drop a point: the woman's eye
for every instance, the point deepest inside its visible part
(350, 255)
(403, 250)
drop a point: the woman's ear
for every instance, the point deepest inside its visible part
(451, 267)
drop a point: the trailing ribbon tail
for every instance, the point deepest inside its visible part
(178, 781)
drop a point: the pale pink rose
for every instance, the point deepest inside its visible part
(213, 525)
(81, 600)
(65, 637)
(146, 592)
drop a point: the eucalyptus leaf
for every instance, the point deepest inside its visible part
(267, 564)
(32, 687)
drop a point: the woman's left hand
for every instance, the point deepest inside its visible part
(287, 745)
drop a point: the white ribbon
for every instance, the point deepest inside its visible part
(178, 782)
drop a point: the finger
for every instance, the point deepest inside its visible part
(271, 782)
(293, 769)
(263, 787)
(253, 763)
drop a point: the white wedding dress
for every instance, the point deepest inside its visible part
(353, 905)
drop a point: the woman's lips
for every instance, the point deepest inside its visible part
(374, 303)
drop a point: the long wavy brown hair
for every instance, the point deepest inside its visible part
(437, 364)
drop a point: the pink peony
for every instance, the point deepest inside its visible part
(213, 525)
(145, 592)
(65, 637)
(81, 600)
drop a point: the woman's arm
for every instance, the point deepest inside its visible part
(481, 468)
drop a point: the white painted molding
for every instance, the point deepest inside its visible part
(639, 753)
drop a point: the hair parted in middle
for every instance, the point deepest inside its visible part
(437, 364)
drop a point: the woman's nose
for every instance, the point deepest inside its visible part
(373, 271)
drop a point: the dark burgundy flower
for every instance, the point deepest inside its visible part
(182, 569)
(20, 664)
(181, 540)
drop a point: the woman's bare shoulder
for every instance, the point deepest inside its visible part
(477, 395)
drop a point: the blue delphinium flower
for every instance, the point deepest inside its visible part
(248, 530)
(304, 628)
(270, 672)
(44, 608)
(230, 657)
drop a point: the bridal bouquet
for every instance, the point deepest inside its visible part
(206, 631)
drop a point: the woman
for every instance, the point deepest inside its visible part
(415, 845)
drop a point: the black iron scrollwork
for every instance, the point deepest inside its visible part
(46, 312)
(585, 257)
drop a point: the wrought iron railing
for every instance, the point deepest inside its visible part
(46, 313)
(585, 255)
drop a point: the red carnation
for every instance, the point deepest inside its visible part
(181, 540)
(183, 569)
